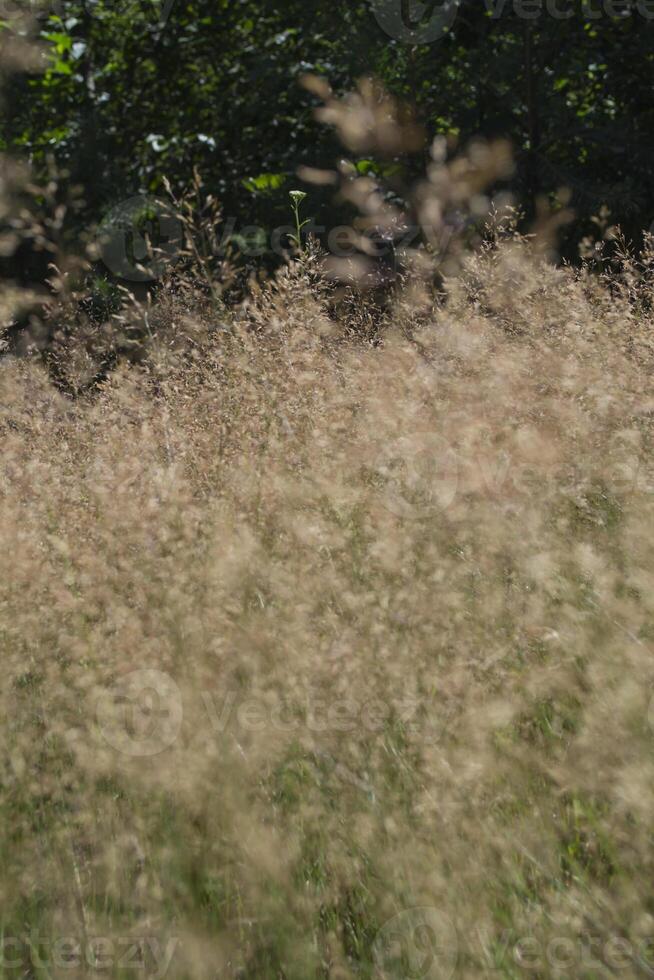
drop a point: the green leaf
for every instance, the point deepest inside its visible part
(264, 183)
(61, 67)
(62, 42)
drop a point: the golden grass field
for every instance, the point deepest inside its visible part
(329, 658)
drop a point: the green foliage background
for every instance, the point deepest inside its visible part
(125, 101)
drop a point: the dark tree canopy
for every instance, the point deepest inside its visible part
(130, 96)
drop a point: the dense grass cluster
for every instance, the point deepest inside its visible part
(302, 631)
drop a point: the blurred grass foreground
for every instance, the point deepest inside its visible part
(327, 623)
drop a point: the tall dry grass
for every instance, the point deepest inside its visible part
(301, 633)
(327, 631)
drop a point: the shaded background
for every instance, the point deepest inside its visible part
(124, 102)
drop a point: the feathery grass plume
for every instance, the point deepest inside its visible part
(425, 227)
